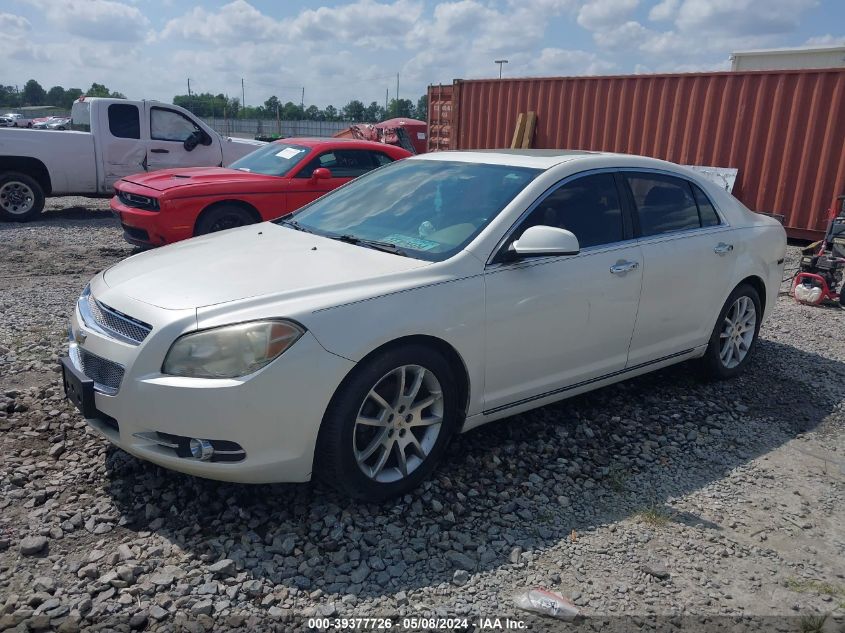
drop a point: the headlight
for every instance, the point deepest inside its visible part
(230, 351)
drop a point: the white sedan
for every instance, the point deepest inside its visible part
(354, 338)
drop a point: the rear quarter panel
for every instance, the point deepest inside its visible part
(68, 156)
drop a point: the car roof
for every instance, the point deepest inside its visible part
(335, 142)
(544, 158)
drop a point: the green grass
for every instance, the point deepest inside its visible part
(656, 515)
(813, 623)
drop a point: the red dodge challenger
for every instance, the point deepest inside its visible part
(166, 206)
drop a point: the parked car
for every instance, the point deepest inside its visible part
(171, 205)
(41, 122)
(111, 138)
(17, 120)
(59, 123)
(352, 339)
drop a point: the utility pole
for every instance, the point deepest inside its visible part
(386, 93)
(190, 99)
(302, 101)
(243, 97)
(397, 94)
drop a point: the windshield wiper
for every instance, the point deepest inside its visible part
(386, 247)
(295, 225)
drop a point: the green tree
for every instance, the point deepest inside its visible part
(330, 113)
(33, 93)
(9, 96)
(99, 90)
(312, 112)
(354, 111)
(272, 104)
(56, 96)
(421, 111)
(373, 113)
(403, 108)
(71, 95)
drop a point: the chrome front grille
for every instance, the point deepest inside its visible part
(106, 374)
(111, 322)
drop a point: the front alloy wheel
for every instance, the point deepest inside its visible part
(398, 423)
(388, 424)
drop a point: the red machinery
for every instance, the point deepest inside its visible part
(822, 265)
(407, 133)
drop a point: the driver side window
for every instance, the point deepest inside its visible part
(588, 206)
(169, 125)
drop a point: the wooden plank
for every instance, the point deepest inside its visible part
(518, 131)
(530, 125)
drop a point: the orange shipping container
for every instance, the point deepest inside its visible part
(783, 130)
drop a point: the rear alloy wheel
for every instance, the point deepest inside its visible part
(222, 218)
(388, 425)
(21, 197)
(735, 334)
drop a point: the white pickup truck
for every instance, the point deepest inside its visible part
(109, 139)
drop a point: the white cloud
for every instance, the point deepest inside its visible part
(826, 40)
(741, 17)
(104, 20)
(234, 23)
(598, 14)
(664, 10)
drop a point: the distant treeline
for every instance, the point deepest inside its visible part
(210, 105)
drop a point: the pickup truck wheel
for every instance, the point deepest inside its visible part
(222, 218)
(21, 197)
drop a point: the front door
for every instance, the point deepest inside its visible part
(555, 322)
(343, 165)
(169, 129)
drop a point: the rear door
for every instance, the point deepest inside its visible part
(344, 165)
(169, 129)
(689, 256)
(120, 149)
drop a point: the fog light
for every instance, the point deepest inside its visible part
(201, 449)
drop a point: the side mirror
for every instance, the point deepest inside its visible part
(191, 142)
(321, 173)
(541, 241)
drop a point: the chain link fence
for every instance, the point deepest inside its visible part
(250, 128)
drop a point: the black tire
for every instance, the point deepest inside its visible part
(335, 461)
(711, 363)
(222, 217)
(16, 187)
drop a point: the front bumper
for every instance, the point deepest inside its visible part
(274, 414)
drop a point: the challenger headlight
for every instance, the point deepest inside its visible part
(230, 351)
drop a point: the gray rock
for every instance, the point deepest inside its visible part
(32, 545)
(225, 567)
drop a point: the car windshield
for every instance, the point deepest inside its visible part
(425, 208)
(274, 159)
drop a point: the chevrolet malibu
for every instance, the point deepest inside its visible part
(352, 339)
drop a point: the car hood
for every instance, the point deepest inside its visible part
(166, 179)
(251, 261)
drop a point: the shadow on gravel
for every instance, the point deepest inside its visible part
(527, 481)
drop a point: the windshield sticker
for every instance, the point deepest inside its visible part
(410, 242)
(288, 152)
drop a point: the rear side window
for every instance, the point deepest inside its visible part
(709, 217)
(664, 204)
(343, 163)
(124, 120)
(588, 206)
(381, 159)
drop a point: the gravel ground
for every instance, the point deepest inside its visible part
(662, 497)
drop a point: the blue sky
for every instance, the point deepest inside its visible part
(339, 51)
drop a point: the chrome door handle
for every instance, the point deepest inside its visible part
(624, 267)
(721, 248)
